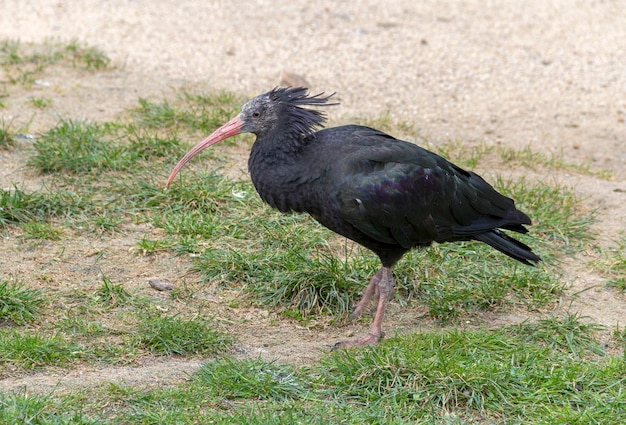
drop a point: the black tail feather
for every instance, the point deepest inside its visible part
(509, 246)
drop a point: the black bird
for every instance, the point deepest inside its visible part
(386, 194)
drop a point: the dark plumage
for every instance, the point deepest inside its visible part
(385, 194)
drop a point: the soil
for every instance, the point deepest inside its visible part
(547, 75)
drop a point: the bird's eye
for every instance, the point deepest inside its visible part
(256, 114)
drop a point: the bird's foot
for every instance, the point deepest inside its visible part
(369, 339)
(381, 288)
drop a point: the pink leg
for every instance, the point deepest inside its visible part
(372, 289)
(385, 288)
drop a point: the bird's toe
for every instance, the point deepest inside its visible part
(369, 339)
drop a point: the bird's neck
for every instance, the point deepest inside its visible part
(276, 169)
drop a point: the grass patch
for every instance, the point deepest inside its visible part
(145, 146)
(456, 280)
(24, 62)
(106, 223)
(528, 373)
(114, 295)
(471, 374)
(7, 137)
(19, 304)
(111, 327)
(251, 379)
(612, 264)
(28, 350)
(40, 102)
(78, 147)
(532, 159)
(89, 57)
(295, 276)
(83, 148)
(619, 335)
(22, 408)
(82, 326)
(19, 206)
(149, 246)
(568, 334)
(39, 230)
(191, 112)
(169, 335)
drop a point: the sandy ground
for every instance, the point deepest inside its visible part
(549, 74)
(546, 74)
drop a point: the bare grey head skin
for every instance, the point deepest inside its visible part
(259, 114)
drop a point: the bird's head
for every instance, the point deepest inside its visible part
(279, 110)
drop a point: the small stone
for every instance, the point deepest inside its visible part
(160, 285)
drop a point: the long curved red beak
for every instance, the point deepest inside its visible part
(231, 128)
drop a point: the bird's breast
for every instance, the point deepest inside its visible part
(283, 191)
(287, 182)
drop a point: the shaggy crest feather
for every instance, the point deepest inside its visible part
(303, 121)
